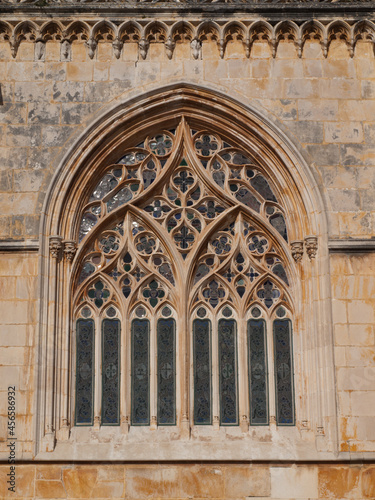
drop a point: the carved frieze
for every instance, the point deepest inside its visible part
(194, 31)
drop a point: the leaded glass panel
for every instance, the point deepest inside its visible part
(110, 371)
(166, 371)
(85, 372)
(202, 371)
(228, 372)
(282, 329)
(140, 372)
(258, 379)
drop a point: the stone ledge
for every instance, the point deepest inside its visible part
(365, 245)
(19, 245)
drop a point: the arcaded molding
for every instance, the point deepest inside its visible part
(145, 31)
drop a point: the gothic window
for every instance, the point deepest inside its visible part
(182, 300)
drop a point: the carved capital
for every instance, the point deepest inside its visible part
(311, 244)
(297, 250)
(70, 249)
(55, 246)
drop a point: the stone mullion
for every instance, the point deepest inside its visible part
(59, 368)
(55, 247)
(215, 401)
(243, 389)
(153, 375)
(271, 362)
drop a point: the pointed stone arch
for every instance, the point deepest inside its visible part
(292, 180)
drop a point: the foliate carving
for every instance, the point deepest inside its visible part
(117, 47)
(55, 246)
(311, 244)
(169, 47)
(297, 250)
(91, 45)
(70, 248)
(40, 50)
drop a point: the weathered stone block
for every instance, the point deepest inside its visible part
(147, 72)
(356, 379)
(339, 482)
(307, 131)
(55, 136)
(101, 71)
(338, 68)
(11, 158)
(46, 115)
(21, 71)
(13, 113)
(316, 109)
(291, 68)
(215, 70)
(360, 356)
(79, 71)
(339, 311)
(368, 482)
(328, 154)
(75, 114)
(32, 225)
(28, 180)
(368, 89)
(17, 227)
(105, 91)
(163, 482)
(49, 489)
(343, 132)
(79, 482)
(346, 200)
(306, 88)
(361, 311)
(22, 136)
(294, 482)
(339, 88)
(68, 91)
(361, 335)
(363, 403)
(122, 71)
(55, 71)
(6, 181)
(247, 482)
(25, 482)
(312, 69)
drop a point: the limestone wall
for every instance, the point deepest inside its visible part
(325, 105)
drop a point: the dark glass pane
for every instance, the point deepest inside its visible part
(140, 372)
(111, 371)
(282, 329)
(228, 372)
(260, 184)
(245, 197)
(85, 372)
(202, 371)
(258, 378)
(166, 372)
(278, 222)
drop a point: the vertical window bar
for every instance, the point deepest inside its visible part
(228, 372)
(282, 330)
(85, 372)
(140, 371)
(166, 371)
(202, 371)
(258, 378)
(110, 372)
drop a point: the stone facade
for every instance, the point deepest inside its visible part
(69, 80)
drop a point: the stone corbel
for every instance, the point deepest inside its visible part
(216, 423)
(40, 50)
(117, 45)
(70, 249)
(297, 250)
(55, 246)
(169, 47)
(196, 48)
(153, 424)
(311, 244)
(91, 45)
(125, 424)
(65, 51)
(143, 46)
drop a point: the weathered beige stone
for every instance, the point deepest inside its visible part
(294, 482)
(339, 482)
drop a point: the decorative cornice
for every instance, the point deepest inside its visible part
(194, 31)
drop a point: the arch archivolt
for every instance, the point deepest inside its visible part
(186, 200)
